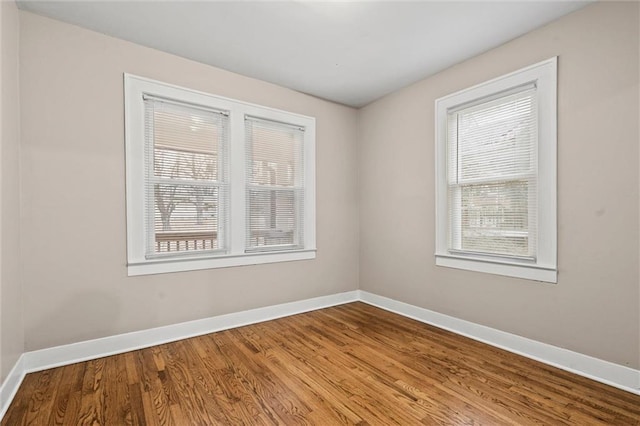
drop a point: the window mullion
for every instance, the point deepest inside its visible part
(237, 213)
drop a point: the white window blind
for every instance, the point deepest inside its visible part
(492, 175)
(275, 185)
(186, 188)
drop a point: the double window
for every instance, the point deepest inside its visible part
(496, 177)
(213, 182)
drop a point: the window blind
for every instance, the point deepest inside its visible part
(186, 187)
(275, 185)
(492, 175)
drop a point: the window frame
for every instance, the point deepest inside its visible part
(137, 262)
(544, 266)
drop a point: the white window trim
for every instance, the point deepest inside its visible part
(137, 263)
(544, 268)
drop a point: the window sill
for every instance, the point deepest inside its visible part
(161, 266)
(509, 269)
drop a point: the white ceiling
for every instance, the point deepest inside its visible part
(348, 52)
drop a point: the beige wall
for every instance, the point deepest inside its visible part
(73, 227)
(594, 308)
(11, 326)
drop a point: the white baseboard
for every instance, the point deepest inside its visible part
(619, 376)
(91, 349)
(11, 384)
(616, 375)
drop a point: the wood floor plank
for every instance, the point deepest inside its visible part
(43, 396)
(149, 413)
(351, 364)
(67, 402)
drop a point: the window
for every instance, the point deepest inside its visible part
(275, 185)
(186, 184)
(496, 176)
(213, 182)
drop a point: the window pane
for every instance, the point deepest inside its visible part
(275, 154)
(185, 217)
(272, 217)
(495, 139)
(186, 141)
(495, 218)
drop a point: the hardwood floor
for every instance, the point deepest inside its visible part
(350, 364)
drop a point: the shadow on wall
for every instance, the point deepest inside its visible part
(79, 318)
